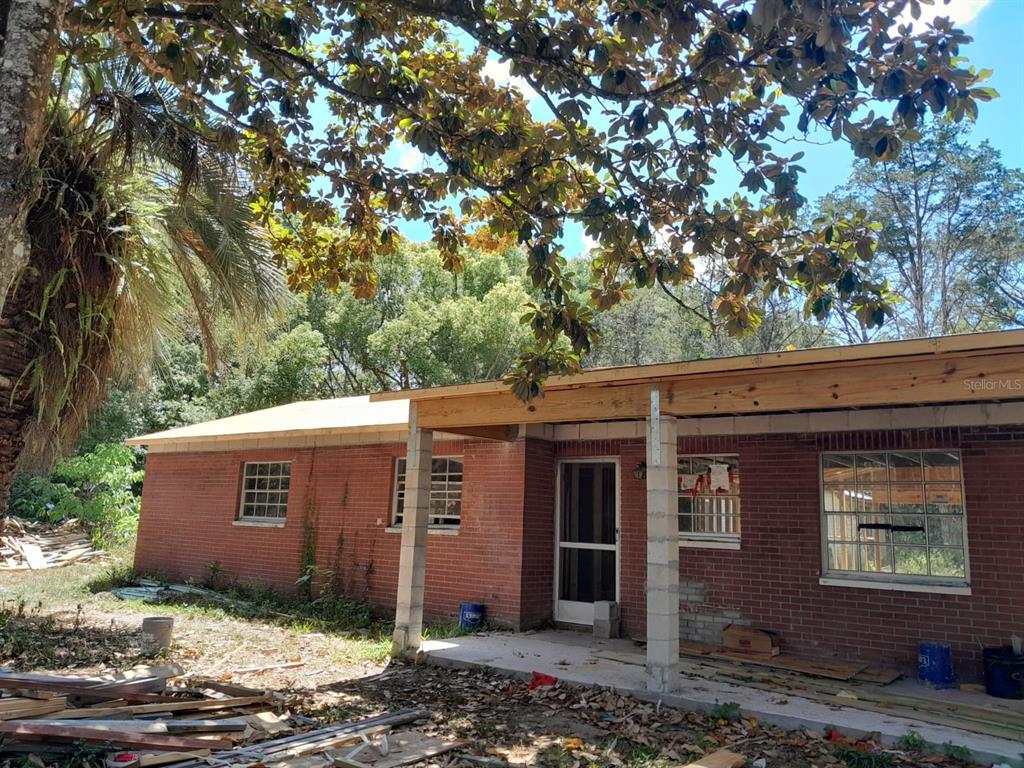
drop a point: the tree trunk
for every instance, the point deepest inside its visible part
(17, 350)
(28, 48)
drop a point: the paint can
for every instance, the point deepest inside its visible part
(1004, 673)
(935, 665)
(156, 634)
(471, 616)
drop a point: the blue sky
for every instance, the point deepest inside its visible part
(995, 26)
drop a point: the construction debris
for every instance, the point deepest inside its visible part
(141, 719)
(28, 545)
(723, 758)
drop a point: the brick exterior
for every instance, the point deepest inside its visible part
(772, 581)
(190, 502)
(504, 551)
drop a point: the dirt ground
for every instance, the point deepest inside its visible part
(66, 620)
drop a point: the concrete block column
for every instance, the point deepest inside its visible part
(412, 565)
(662, 550)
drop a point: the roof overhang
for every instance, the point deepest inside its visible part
(984, 367)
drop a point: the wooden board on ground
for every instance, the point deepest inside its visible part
(878, 675)
(835, 670)
(723, 758)
(163, 758)
(402, 749)
(44, 730)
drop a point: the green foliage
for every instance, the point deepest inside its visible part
(729, 711)
(950, 238)
(912, 741)
(856, 758)
(630, 111)
(293, 366)
(100, 487)
(957, 752)
(260, 602)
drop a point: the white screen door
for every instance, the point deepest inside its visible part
(587, 554)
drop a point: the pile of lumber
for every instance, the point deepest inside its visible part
(26, 545)
(140, 719)
(138, 710)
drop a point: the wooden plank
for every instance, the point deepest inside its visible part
(136, 689)
(933, 380)
(836, 670)
(403, 749)
(878, 675)
(963, 344)
(157, 726)
(171, 706)
(723, 758)
(917, 382)
(163, 758)
(43, 729)
(588, 404)
(501, 432)
(15, 709)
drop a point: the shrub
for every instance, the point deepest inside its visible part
(100, 487)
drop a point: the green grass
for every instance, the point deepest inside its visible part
(855, 758)
(729, 711)
(912, 741)
(66, 591)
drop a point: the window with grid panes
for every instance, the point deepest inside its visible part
(709, 498)
(265, 486)
(445, 492)
(895, 516)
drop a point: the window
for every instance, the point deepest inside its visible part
(265, 491)
(445, 492)
(896, 516)
(709, 499)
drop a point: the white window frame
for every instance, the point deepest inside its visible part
(277, 520)
(396, 524)
(722, 540)
(894, 581)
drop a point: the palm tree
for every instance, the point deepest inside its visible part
(142, 216)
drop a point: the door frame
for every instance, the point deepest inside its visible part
(564, 616)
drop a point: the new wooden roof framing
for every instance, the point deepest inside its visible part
(984, 367)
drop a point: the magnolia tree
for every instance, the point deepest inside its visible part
(614, 117)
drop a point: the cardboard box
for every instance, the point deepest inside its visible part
(756, 642)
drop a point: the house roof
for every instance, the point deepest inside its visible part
(969, 368)
(817, 356)
(981, 367)
(309, 417)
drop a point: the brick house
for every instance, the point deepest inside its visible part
(855, 500)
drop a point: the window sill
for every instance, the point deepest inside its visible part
(709, 544)
(432, 530)
(259, 523)
(895, 586)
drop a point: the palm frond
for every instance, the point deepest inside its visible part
(142, 217)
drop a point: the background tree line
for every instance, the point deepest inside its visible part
(950, 246)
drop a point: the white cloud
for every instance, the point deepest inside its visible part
(960, 12)
(501, 73)
(410, 158)
(587, 244)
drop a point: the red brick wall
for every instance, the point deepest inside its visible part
(190, 502)
(773, 579)
(538, 533)
(503, 555)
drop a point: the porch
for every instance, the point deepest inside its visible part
(808, 399)
(577, 658)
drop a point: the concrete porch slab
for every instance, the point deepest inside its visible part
(570, 656)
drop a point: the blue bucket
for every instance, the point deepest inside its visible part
(471, 616)
(1004, 673)
(935, 665)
